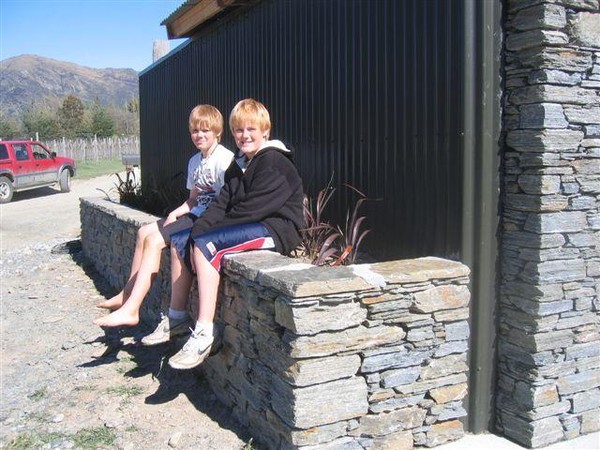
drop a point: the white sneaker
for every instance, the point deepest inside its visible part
(195, 350)
(166, 330)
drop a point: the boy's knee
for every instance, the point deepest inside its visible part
(155, 240)
(145, 230)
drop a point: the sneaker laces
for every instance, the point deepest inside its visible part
(164, 320)
(195, 335)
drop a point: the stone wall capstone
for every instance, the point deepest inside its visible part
(549, 340)
(357, 357)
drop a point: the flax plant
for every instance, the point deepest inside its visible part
(326, 244)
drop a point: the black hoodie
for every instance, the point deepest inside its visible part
(269, 192)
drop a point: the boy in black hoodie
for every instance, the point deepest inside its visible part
(262, 209)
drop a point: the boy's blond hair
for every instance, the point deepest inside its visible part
(250, 111)
(209, 117)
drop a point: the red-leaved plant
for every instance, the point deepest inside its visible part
(323, 243)
(352, 235)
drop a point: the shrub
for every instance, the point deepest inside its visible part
(353, 233)
(130, 191)
(318, 235)
(155, 200)
(324, 243)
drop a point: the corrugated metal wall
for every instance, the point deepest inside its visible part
(367, 91)
(400, 98)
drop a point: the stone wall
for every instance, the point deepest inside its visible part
(108, 235)
(549, 349)
(360, 357)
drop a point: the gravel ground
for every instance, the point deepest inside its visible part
(64, 383)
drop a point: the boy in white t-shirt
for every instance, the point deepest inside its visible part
(206, 175)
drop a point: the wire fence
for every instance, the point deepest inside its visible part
(95, 149)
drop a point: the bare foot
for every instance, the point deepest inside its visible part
(113, 303)
(118, 318)
(110, 304)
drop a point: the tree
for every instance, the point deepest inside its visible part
(102, 124)
(70, 115)
(126, 123)
(9, 128)
(127, 119)
(133, 106)
(41, 123)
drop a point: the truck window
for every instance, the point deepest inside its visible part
(39, 152)
(3, 152)
(21, 152)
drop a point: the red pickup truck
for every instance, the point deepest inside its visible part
(28, 165)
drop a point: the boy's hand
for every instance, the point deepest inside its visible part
(170, 218)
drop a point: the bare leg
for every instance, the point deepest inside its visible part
(128, 314)
(146, 230)
(208, 287)
(181, 281)
(200, 343)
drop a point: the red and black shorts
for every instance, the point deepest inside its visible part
(215, 244)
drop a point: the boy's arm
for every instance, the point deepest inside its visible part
(269, 192)
(187, 206)
(182, 209)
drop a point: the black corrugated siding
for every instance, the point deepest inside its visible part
(369, 91)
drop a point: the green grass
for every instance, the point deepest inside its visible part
(34, 440)
(125, 391)
(87, 438)
(40, 417)
(39, 394)
(92, 438)
(125, 366)
(91, 169)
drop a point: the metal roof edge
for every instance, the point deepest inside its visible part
(195, 14)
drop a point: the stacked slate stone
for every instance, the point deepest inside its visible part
(363, 357)
(549, 346)
(108, 236)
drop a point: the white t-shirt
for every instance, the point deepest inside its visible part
(207, 175)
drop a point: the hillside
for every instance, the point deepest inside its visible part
(31, 79)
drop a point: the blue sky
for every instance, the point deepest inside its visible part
(91, 33)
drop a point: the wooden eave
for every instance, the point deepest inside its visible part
(191, 15)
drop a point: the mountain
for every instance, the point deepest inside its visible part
(31, 79)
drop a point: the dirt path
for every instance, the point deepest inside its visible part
(63, 383)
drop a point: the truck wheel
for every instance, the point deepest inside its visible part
(6, 190)
(65, 181)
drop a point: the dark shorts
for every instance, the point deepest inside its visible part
(180, 238)
(219, 242)
(181, 224)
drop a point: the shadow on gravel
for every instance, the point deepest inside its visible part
(153, 360)
(74, 249)
(171, 383)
